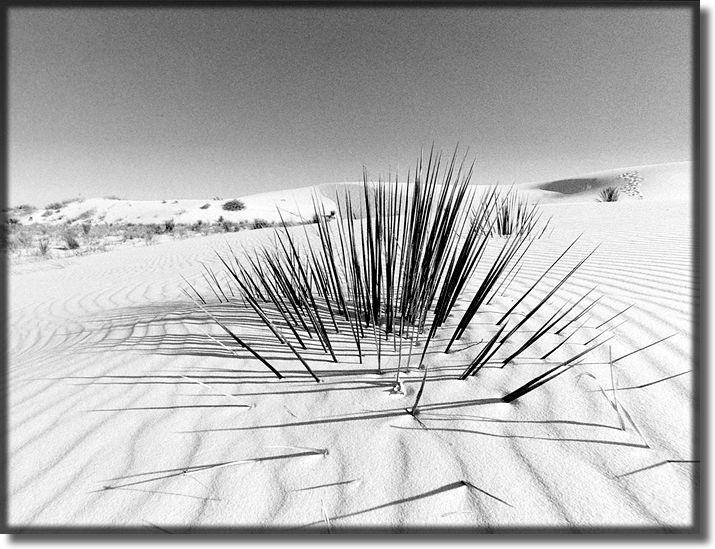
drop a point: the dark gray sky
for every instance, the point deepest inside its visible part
(193, 103)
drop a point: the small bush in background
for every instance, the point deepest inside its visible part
(169, 226)
(86, 228)
(155, 229)
(260, 224)
(234, 205)
(70, 240)
(53, 206)
(205, 206)
(228, 226)
(180, 231)
(43, 246)
(609, 194)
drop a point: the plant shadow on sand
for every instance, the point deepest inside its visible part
(148, 329)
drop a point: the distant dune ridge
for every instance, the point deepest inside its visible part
(295, 205)
(659, 182)
(128, 407)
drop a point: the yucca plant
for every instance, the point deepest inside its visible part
(608, 194)
(43, 245)
(513, 214)
(387, 271)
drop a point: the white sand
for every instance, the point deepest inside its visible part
(113, 382)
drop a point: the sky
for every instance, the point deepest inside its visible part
(194, 103)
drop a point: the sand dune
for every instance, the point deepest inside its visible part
(123, 411)
(670, 181)
(295, 205)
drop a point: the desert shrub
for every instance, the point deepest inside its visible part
(43, 246)
(169, 225)
(608, 194)
(70, 239)
(260, 224)
(155, 228)
(205, 206)
(86, 228)
(229, 226)
(12, 221)
(180, 231)
(15, 237)
(234, 205)
(23, 238)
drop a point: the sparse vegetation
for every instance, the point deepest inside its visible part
(58, 205)
(205, 206)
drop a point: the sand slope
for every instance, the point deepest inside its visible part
(124, 412)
